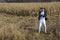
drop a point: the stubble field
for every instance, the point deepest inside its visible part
(19, 21)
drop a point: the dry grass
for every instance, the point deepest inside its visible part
(19, 21)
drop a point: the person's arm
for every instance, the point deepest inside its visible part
(39, 15)
(45, 15)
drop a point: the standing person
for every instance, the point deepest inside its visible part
(42, 19)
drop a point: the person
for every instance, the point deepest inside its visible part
(42, 19)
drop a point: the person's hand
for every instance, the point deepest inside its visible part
(45, 18)
(41, 15)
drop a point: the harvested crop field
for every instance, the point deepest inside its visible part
(19, 21)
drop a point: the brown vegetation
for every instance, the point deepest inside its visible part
(19, 21)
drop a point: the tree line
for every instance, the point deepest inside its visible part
(28, 0)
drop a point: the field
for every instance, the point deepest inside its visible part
(19, 21)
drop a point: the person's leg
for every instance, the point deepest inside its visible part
(40, 24)
(44, 22)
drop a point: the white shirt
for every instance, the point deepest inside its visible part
(42, 13)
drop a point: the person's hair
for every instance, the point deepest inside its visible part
(42, 8)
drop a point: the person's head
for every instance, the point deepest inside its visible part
(42, 9)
